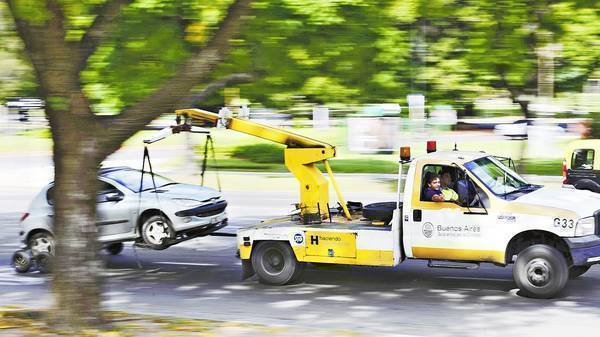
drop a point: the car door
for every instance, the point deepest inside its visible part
(112, 211)
(452, 230)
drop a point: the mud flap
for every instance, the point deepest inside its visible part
(247, 269)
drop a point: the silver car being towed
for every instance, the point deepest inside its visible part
(153, 218)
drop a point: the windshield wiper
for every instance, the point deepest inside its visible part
(151, 188)
(524, 188)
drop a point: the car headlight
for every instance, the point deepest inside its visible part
(585, 226)
(186, 202)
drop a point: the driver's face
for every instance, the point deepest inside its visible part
(446, 179)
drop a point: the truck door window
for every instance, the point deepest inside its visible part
(582, 159)
(448, 176)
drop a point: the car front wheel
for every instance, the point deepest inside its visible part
(540, 271)
(156, 232)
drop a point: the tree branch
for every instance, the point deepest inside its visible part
(106, 17)
(189, 74)
(213, 87)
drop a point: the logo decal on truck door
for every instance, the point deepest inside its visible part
(428, 229)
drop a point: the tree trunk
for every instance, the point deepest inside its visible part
(76, 278)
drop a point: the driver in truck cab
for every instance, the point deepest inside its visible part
(447, 185)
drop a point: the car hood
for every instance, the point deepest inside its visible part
(584, 203)
(185, 191)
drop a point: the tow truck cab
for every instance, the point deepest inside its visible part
(549, 233)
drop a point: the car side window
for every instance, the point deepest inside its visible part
(582, 159)
(50, 195)
(105, 190)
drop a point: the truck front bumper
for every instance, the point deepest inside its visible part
(585, 250)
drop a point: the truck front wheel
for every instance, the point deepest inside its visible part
(275, 263)
(540, 271)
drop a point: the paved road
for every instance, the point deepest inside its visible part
(201, 279)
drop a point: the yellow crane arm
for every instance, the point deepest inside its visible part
(301, 156)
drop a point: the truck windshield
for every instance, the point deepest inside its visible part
(496, 176)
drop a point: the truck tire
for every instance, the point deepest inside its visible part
(379, 211)
(576, 271)
(540, 271)
(275, 263)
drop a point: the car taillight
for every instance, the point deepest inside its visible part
(564, 172)
(24, 216)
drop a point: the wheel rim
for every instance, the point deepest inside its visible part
(539, 272)
(20, 260)
(42, 244)
(156, 232)
(273, 261)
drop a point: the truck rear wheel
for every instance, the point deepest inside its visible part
(275, 263)
(540, 271)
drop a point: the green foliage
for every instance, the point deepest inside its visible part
(260, 153)
(16, 75)
(338, 51)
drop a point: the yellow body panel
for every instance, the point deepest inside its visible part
(458, 254)
(330, 244)
(245, 252)
(364, 257)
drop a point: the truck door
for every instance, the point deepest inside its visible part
(451, 230)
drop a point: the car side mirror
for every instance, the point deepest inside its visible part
(114, 196)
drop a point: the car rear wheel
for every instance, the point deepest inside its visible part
(114, 248)
(44, 262)
(157, 231)
(275, 263)
(540, 271)
(41, 242)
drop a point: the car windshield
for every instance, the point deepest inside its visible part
(500, 179)
(131, 179)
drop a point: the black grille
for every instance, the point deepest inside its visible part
(210, 213)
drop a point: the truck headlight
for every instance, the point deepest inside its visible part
(186, 202)
(585, 226)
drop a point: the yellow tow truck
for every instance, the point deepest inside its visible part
(549, 234)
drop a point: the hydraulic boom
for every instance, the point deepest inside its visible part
(301, 156)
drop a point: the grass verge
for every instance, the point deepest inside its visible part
(21, 322)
